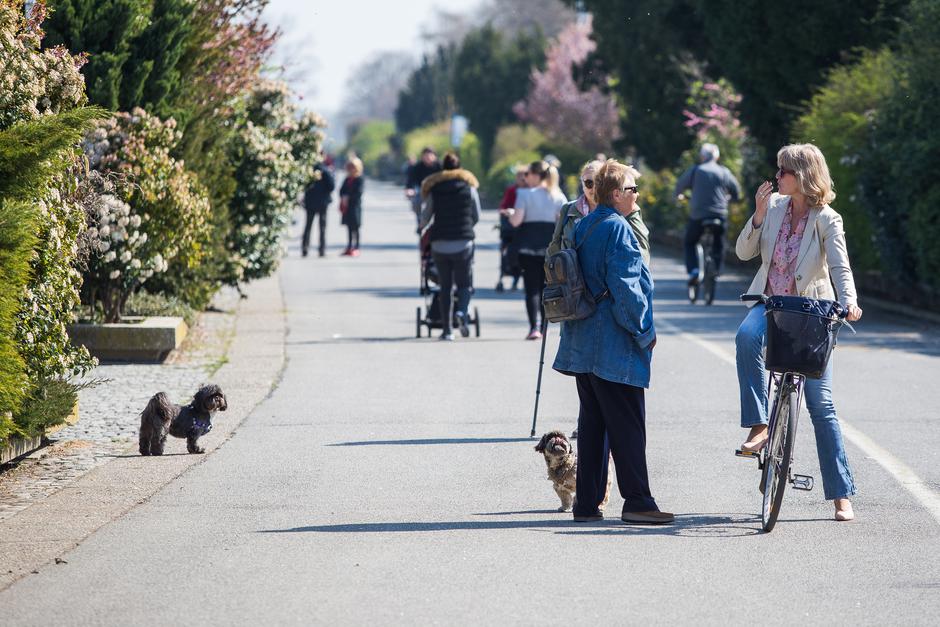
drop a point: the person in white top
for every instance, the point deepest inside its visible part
(535, 213)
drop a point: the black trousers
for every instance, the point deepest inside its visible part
(617, 411)
(533, 278)
(454, 269)
(308, 227)
(693, 233)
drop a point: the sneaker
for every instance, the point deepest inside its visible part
(534, 334)
(346, 253)
(654, 517)
(303, 253)
(462, 324)
(354, 252)
(693, 279)
(446, 337)
(322, 253)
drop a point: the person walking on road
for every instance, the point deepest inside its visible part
(350, 204)
(508, 248)
(712, 186)
(535, 213)
(425, 167)
(609, 354)
(801, 244)
(317, 199)
(451, 199)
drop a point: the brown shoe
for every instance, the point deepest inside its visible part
(648, 518)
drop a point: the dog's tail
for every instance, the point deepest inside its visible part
(159, 406)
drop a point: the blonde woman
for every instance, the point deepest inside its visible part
(350, 205)
(801, 243)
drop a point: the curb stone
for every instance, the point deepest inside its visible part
(33, 538)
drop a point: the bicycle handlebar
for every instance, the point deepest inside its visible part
(841, 311)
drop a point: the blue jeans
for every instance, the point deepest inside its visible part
(752, 378)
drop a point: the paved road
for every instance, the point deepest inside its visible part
(391, 480)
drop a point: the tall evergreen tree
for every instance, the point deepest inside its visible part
(490, 76)
(105, 29)
(428, 95)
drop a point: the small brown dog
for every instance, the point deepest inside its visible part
(562, 465)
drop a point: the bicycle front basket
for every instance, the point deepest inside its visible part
(801, 333)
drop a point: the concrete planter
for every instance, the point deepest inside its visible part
(141, 340)
(19, 447)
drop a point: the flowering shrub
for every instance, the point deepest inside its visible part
(558, 105)
(274, 154)
(149, 214)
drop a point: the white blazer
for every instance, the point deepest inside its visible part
(822, 261)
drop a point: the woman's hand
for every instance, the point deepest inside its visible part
(507, 212)
(762, 198)
(855, 313)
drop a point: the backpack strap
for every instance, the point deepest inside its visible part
(606, 291)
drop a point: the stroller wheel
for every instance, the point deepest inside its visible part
(476, 321)
(418, 322)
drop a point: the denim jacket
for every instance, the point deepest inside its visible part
(613, 343)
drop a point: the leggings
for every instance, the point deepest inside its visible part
(353, 238)
(533, 277)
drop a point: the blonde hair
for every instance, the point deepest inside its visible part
(812, 173)
(611, 176)
(554, 179)
(356, 164)
(594, 165)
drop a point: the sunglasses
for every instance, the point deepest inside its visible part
(630, 188)
(588, 183)
(783, 172)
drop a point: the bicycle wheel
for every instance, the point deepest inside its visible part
(708, 284)
(779, 453)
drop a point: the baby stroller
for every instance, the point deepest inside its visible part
(431, 317)
(508, 255)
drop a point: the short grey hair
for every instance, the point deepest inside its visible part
(709, 152)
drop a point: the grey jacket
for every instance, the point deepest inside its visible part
(712, 186)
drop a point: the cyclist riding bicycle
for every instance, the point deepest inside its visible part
(712, 187)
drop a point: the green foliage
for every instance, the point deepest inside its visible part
(150, 215)
(751, 43)
(428, 94)
(370, 141)
(491, 75)
(143, 303)
(838, 120)
(105, 29)
(899, 173)
(17, 239)
(648, 47)
(437, 136)
(515, 138)
(50, 401)
(274, 154)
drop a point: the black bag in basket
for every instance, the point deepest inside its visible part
(801, 333)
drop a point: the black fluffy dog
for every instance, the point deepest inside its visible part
(161, 417)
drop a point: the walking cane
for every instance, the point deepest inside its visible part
(538, 385)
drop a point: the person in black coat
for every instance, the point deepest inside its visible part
(451, 199)
(350, 204)
(424, 168)
(317, 199)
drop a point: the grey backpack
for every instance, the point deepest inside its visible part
(566, 297)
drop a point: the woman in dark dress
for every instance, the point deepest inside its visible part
(350, 205)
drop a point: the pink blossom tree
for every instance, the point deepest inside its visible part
(559, 107)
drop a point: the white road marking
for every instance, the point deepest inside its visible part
(901, 472)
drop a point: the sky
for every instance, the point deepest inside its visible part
(324, 40)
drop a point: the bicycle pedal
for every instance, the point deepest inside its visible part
(802, 482)
(747, 454)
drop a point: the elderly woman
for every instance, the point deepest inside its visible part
(801, 243)
(572, 212)
(350, 204)
(609, 353)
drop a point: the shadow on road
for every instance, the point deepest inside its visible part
(699, 525)
(428, 441)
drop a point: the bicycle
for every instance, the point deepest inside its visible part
(708, 265)
(789, 366)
